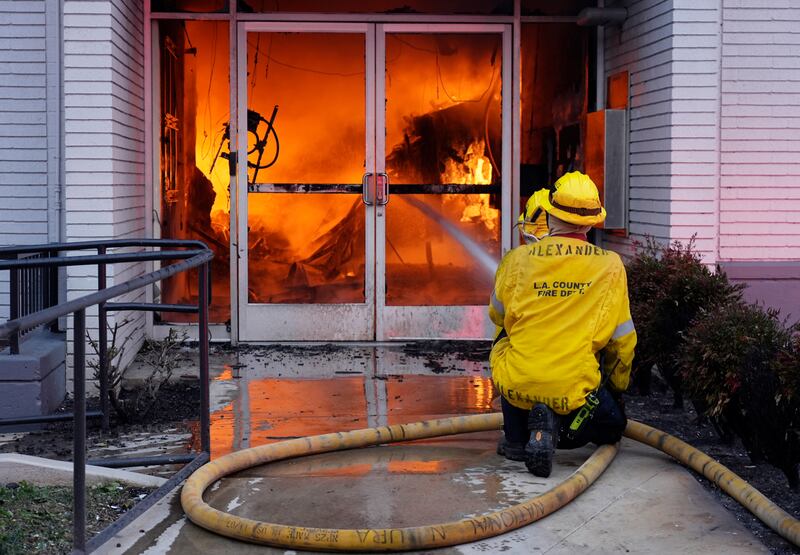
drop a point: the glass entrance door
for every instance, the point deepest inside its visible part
(306, 227)
(444, 141)
(378, 167)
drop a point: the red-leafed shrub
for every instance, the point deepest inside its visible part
(739, 363)
(668, 287)
(787, 366)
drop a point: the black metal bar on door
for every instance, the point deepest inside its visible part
(394, 188)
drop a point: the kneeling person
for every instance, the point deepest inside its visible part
(563, 356)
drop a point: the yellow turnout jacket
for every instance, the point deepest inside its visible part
(562, 301)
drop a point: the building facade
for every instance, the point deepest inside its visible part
(389, 147)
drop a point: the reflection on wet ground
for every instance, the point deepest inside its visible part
(263, 394)
(270, 393)
(276, 393)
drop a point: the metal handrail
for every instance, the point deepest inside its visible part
(198, 256)
(10, 260)
(92, 259)
(193, 259)
(108, 243)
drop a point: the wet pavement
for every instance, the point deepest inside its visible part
(644, 503)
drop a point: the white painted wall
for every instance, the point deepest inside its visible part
(27, 167)
(715, 128)
(694, 130)
(643, 46)
(104, 141)
(760, 130)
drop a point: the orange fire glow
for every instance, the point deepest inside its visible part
(442, 127)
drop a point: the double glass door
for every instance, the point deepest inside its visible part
(378, 170)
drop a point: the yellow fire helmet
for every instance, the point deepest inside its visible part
(575, 200)
(533, 221)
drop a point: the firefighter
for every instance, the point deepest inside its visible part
(563, 356)
(533, 221)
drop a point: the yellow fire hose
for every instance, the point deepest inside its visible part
(450, 533)
(727, 480)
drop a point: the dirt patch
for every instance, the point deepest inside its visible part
(285, 349)
(473, 351)
(656, 410)
(177, 408)
(442, 357)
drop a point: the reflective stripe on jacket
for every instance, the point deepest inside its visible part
(562, 301)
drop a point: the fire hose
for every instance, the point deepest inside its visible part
(450, 533)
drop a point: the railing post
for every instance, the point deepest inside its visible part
(14, 307)
(202, 305)
(52, 288)
(102, 344)
(25, 304)
(79, 434)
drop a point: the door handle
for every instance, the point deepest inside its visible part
(366, 189)
(382, 189)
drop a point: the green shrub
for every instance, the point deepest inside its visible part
(738, 363)
(668, 287)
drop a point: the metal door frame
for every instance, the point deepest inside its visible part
(303, 322)
(373, 319)
(439, 322)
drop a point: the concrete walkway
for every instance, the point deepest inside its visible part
(644, 503)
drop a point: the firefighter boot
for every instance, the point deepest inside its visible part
(543, 424)
(510, 450)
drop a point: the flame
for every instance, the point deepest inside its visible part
(481, 211)
(475, 169)
(310, 248)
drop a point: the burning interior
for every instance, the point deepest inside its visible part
(307, 117)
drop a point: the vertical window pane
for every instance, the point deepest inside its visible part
(194, 102)
(555, 70)
(443, 135)
(306, 247)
